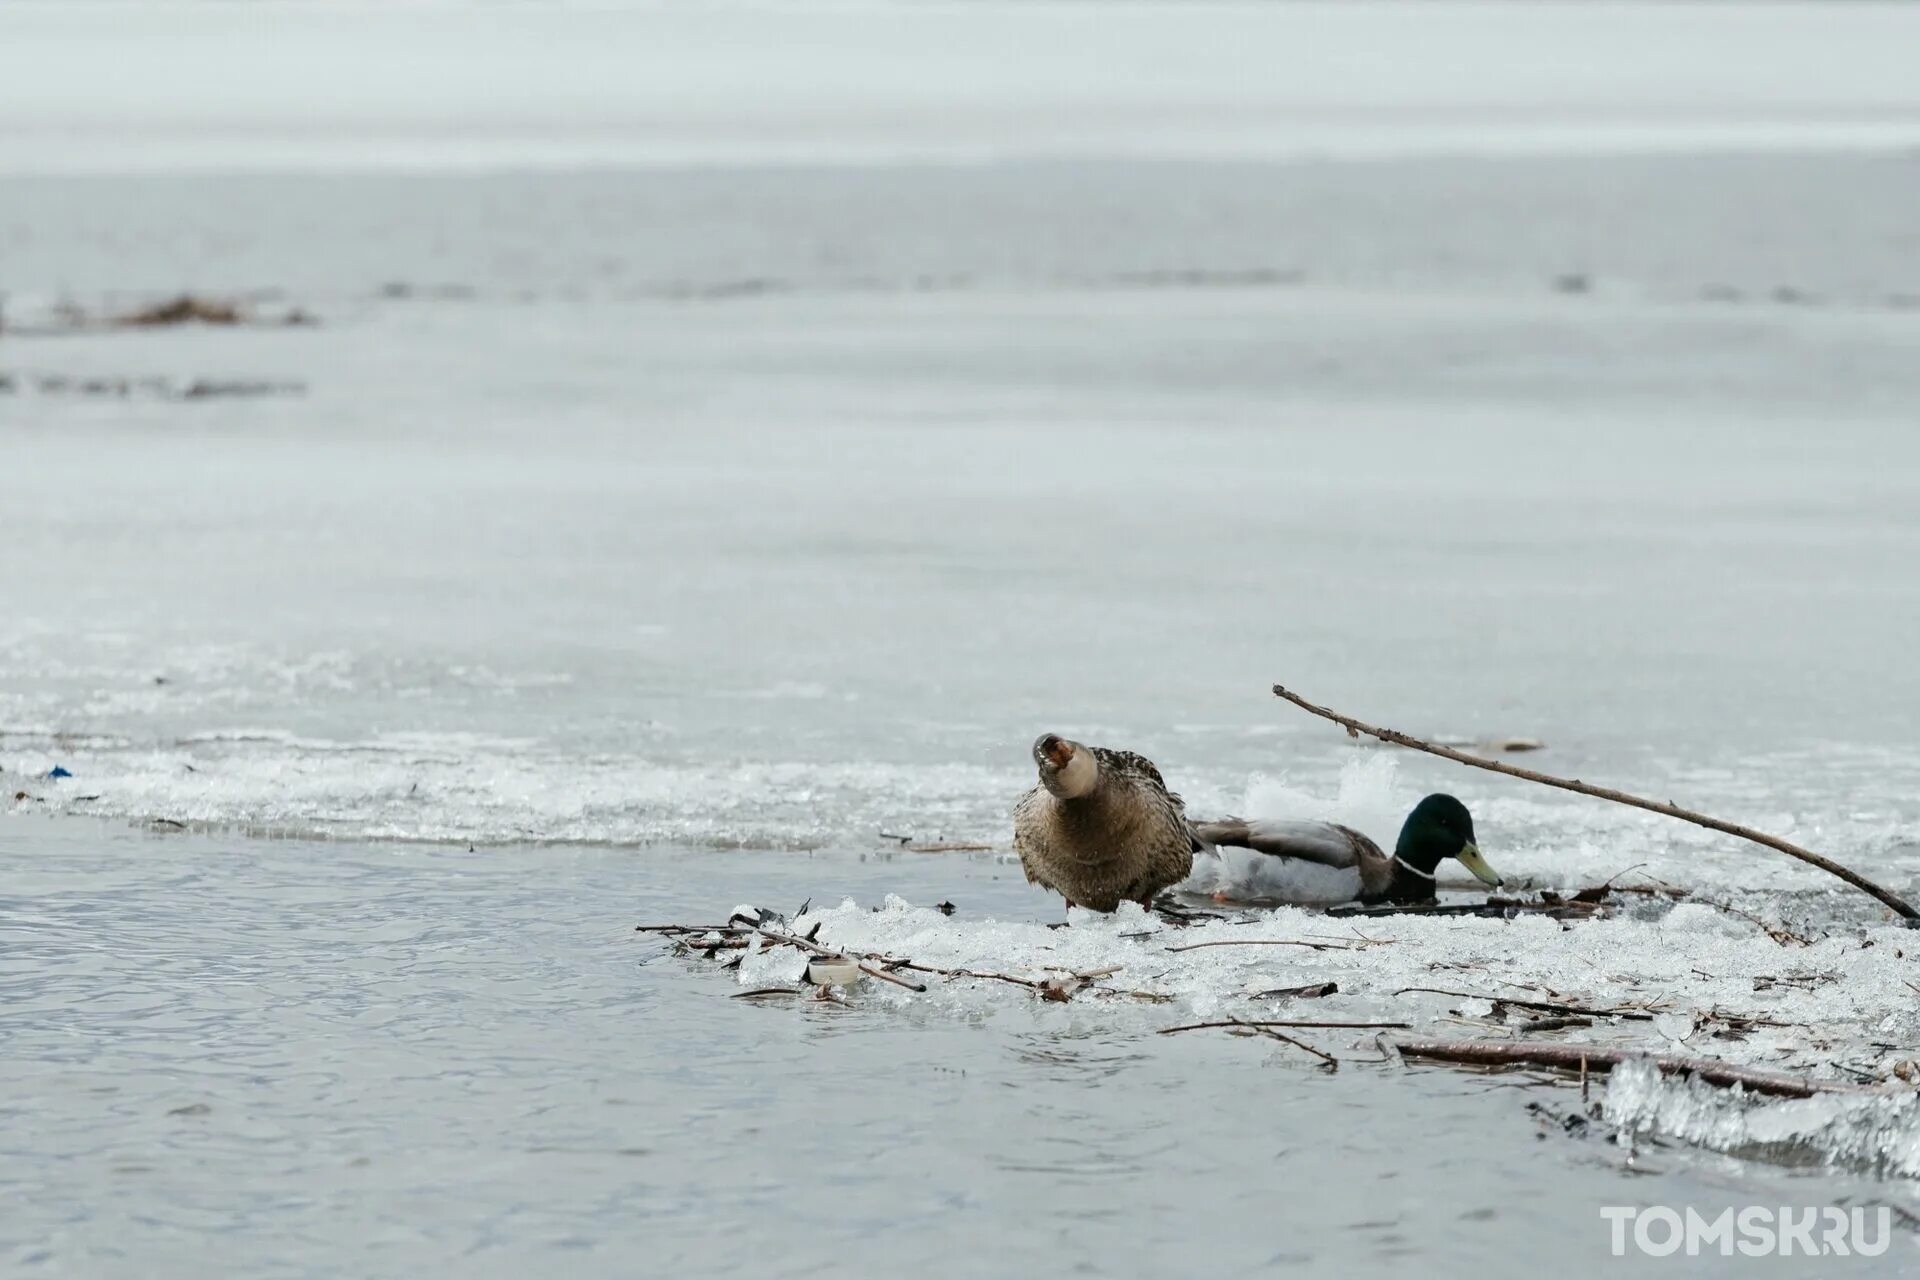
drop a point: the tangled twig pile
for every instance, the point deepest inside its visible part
(742, 933)
(1517, 1030)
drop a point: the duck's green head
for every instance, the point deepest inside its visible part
(1440, 827)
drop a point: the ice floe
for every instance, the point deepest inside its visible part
(1686, 978)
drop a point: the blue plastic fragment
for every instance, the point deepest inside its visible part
(58, 772)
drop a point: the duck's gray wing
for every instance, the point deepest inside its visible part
(1326, 843)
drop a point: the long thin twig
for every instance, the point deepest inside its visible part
(1544, 1006)
(1311, 991)
(1559, 1023)
(1584, 1057)
(1029, 983)
(1494, 908)
(1087, 975)
(806, 945)
(884, 976)
(1281, 1022)
(1333, 1063)
(1267, 942)
(1266, 1028)
(1778, 932)
(1355, 728)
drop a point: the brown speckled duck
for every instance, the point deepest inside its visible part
(1101, 828)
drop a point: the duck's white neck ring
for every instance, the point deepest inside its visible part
(1408, 866)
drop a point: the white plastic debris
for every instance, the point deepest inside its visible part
(833, 971)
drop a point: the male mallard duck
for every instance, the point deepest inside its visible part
(1323, 862)
(1101, 828)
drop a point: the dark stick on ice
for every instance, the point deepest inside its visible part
(1355, 728)
(1779, 933)
(884, 976)
(1323, 1024)
(1266, 1029)
(1582, 1057)
(1559, 1023)
(1495, 908)
(968, 973)
(1544, 1006)
(1311, 991)
(1268, 942)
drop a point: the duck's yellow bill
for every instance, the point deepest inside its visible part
(1470, 858)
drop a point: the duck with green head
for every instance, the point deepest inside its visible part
(1321, 863)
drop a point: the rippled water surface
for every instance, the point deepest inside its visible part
(316, 1059)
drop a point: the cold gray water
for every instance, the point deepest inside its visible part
(685, 492)
(325, 1059)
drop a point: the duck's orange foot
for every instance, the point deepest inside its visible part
(1222, 897)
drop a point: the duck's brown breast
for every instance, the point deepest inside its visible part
(1126, 841)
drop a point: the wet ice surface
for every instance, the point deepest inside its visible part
(1698, 978)
(1876, 1134)
(224, 1050)
(1719, 986)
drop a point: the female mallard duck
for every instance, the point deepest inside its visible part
(1323, 862)
(1101, 828)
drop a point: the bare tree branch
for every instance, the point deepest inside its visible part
(1355, 728)
(1582, 1057)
